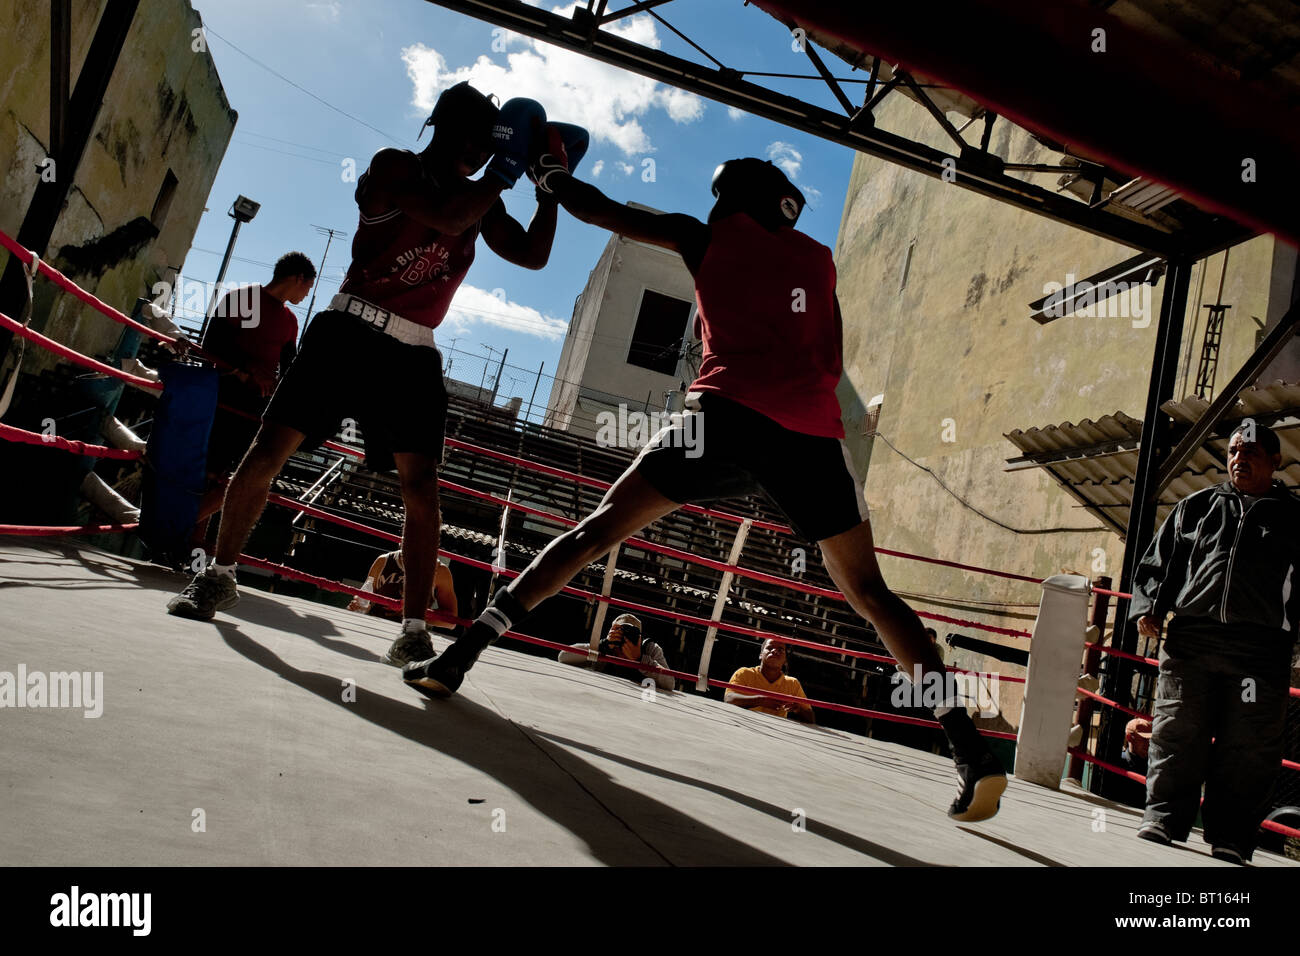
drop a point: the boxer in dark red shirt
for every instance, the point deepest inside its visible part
(255, 334)
(371, 357)
(770, 323)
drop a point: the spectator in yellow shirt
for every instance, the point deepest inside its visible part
(767, 678)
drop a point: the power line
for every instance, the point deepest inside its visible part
(982, 514)
(289, 142)
(355, 119)
(285, 152)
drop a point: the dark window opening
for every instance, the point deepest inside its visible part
(164, 200)
(657, 338)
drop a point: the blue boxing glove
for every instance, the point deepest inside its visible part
(520, 123)
(563, 147)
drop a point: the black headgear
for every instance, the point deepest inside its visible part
(757, 187)
(464, 109)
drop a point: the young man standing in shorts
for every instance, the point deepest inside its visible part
(371, 356)
(766, 390)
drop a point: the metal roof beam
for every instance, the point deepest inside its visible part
(811, 52)
(726, 87)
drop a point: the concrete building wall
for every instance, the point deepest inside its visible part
(562, 405)
(595, 351)
(959, 362)
(165, 112)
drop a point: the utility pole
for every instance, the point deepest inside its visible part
(331, 233)
(242, 210)
(497, 384)
(483, 378)
(534, 395)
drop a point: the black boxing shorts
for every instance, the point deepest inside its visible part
(347, 371)
(722, 449)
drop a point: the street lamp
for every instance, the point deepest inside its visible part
(242, 210)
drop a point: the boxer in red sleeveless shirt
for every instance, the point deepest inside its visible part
(762, 414)
(371, 357)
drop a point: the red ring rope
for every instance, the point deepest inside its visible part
(1119, 594)
(44, 531)
(1139, 778)
(1106, 649)
(329, 585)
(686, 556)
(9, 433)
(1128, 710)
(64, 352)
(602, 485)
(25, 256)
(315, 512)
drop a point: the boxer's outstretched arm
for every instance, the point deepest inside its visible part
(679, 232)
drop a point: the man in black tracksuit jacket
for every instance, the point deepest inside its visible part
(1225, 562)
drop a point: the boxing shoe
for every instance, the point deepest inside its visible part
(1228, 854)
(1155, 832)
(410, 646)
(520, 122)
(979, 773)
(982, 786)
(210, 591)
(442, 676)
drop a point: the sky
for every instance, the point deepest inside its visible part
(356, 76)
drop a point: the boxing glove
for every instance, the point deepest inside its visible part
(519, 123)
(564, 146)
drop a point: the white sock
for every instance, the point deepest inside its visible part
(412, 624)
(227, 569)
(494, 618)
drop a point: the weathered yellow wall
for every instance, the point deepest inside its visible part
(956, 347)
(165, 109)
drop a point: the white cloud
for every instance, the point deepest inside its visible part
(596, 168)
(625, 168)
(791, 160)
(329, 12)
(609, 102)
(785, 156)
(735, 112)
(472, 305)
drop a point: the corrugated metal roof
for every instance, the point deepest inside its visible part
(1096, 461)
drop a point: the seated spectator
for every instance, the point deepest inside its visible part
(386, 578)
(624, 639)
(1137, 738)
(770, 677)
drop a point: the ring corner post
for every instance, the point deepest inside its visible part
(1052, 679)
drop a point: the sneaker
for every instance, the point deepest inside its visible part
(209, 592)
(442, 676)
(1154, 832)
(982, 785)
(410, 646)
(1228, 855)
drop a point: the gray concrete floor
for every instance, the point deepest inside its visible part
(533, 763)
